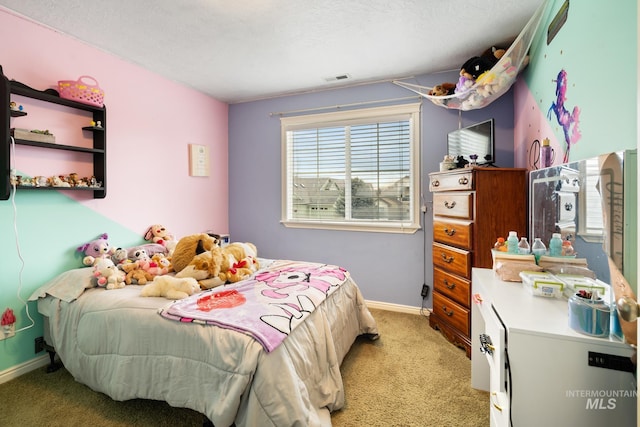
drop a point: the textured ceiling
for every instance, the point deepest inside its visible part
(244, 50)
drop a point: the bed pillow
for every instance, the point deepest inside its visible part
(66, 286)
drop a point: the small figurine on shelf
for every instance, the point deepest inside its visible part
(474, 160)
(27, 182)
(99, 124)
(94, 183)
(40, 181)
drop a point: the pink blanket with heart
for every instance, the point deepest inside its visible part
(267, 306)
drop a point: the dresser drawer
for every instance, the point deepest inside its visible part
(451, 181)
(454, 287)
(455, 204)
(454, 314)
(451, 232)
(453, 260)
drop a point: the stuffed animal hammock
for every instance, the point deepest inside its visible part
(493, 83)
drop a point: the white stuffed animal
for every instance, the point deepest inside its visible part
(108, 275)
(171, 287)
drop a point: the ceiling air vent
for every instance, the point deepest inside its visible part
(337, 78)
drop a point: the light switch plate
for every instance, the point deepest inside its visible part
(198, 160)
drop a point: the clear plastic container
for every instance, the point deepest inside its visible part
(542, 284)
(512, 242)
(523, 246)
(589, 316)
(555, 245)
(538, 248)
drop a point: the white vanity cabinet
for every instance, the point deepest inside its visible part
(540, 372)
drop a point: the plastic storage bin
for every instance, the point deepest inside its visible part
(589, 316)
(543, 284)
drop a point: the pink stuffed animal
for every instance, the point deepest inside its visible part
(157, 233)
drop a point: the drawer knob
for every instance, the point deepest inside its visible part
(446, 259)
(568, 207)
(450, 232)
(463, 180)
(450, 205)
(448, 313)
(435, 183)
(449, 285)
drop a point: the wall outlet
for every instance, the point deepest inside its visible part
(38, 344)
(7, 331)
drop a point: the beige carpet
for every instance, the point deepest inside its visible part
(410, 377)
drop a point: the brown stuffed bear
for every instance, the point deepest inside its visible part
(190, 246)
(135, 275)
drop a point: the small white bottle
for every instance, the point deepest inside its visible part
(555, 245)
(523, 246)
(512, 242)
(538, 248)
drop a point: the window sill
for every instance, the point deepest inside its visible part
(355, 226)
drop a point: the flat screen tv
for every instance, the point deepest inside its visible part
(475, 139)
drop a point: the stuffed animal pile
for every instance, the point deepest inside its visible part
(478, 80)
(196, 259)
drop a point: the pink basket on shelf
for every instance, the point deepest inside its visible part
(81, 91)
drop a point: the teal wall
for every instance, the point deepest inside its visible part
(40, 234)
(597, 47)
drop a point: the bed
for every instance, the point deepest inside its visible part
(127, 347)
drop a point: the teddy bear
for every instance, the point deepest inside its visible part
(190, 246)
(95, 250)
(135, 275)
(231, 263)
(157, 233)
(171, 287)
(107, 275)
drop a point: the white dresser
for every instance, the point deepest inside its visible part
(539, 372)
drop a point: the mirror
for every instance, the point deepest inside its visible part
(585, 202)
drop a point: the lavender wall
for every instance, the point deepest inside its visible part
(389, 268)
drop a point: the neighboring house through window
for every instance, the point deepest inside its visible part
(356, 169)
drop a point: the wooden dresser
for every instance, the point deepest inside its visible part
(471, 209)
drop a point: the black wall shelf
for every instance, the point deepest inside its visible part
(99, 114)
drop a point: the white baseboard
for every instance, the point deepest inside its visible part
(398, 308)
(23, 368)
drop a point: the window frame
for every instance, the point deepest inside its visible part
(410, 112)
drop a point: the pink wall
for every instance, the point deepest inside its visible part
(150, 122)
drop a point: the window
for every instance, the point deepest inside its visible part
(354, 170)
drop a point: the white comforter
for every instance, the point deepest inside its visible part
(116, 343)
